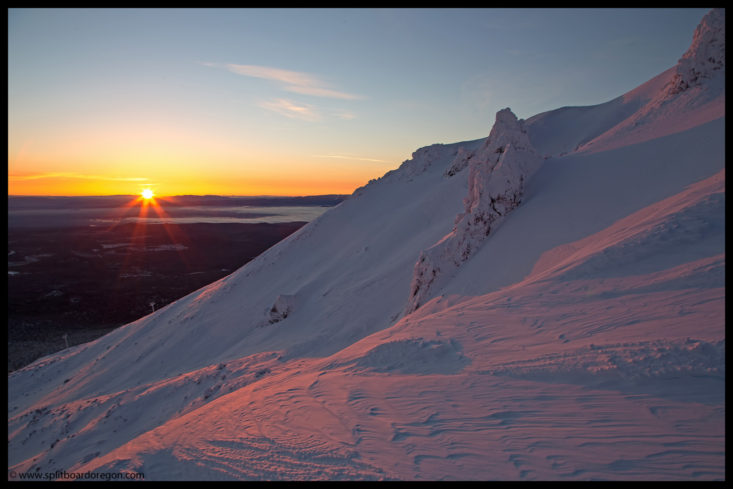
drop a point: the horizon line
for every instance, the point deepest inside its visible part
(182, 195)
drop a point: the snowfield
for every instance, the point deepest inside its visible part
(581, 337)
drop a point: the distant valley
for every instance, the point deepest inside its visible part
(84, 280)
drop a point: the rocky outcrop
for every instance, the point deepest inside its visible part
(498, 172)
(460, 162)
(705, 58)
(283, 306)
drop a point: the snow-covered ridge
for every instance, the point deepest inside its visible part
(423, 160)
(498, 172)
(693, 93)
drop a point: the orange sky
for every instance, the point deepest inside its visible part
(75, 184)
(280, 102)
(123, 155)
(172, 172)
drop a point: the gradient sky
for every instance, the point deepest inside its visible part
(296, 102)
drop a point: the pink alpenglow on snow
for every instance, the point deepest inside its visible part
(547, 303)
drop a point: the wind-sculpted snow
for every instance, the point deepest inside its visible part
(696, 232)
(414, 356)
(645, 360)
(683, 228)
(498, 172)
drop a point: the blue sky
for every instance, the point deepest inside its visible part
(268, 95)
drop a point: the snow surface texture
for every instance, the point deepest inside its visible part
(582, 339)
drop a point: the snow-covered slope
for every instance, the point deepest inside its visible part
(581, 338)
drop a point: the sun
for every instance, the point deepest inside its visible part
(147, 194)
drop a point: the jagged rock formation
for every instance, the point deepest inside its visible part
(706, 56)
(498, 172)
(463, 156)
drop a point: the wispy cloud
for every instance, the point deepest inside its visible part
(351, 157)
(291, 81)
(345, 115)
(291, 109)
(38, 176)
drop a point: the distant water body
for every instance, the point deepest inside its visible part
(45, 212)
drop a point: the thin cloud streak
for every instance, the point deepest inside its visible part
(320, 92)
(275, 74)
(348, 157)
(39, 176)
(291, 81)
(342, 114)
(292, 110)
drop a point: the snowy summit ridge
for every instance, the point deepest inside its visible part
(688, 94)
(498, 172)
